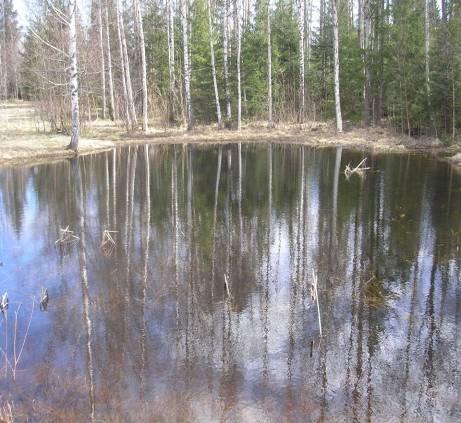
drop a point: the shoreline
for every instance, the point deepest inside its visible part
(21, 144)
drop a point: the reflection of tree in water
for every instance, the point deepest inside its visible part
(161, 323)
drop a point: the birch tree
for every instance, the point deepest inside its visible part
(10, 50)
(186, 63)
(239, 52)
(142, 48)
(301, 19)
(226, 65)
(269, 66)
(2, 65)
(123, 67)
(426, 60)
(73, 77)
(101, 52)
(126, 66)
(213, 66)
(171, 67)
(339, 120)
(112, 111)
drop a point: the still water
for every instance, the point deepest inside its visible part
(201, 309)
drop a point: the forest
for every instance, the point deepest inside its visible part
(230, 210)
(233, 62)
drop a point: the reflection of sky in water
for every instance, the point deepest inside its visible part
(168, 340)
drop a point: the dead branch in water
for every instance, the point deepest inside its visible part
(359, 169)
(315, 297)
(4, 303)
(44, 298)
(107, 243)
(226, 283)
(66, 236)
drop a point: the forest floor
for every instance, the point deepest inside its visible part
(21, 141)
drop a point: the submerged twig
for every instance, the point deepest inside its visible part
(66, 236)
(107, 243)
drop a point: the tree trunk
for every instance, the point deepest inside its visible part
(339, 120)
(226, 59)
(186, 57)
(142, 47)
(1, 70)
(308, 24)
(239, 82)
(103, 68)
(426, 64)
(269, 66)
(122, 62)
(213, 66)
(4, 74)
(445, 78)
(364, 43)
(126, 64)
(112, 112)
(73, 77)
(301, 99)
(171, 72)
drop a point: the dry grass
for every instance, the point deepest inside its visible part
(7, 412)
(21, 143)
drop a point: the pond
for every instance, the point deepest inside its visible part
(250, 282)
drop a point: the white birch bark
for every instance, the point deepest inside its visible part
(226, 62)
(269, 66)
(126, 64)
(301, 17)
(122, 62)
(142, 47)
(239, 79)
(307, 28)
(2, 93)
(339, 120)
(73, 77)
(4, 70)
(426, 50)
(103, 67)
(112, 112)
(171, 67)
(186, 57)
(213, 66)
(1, 70)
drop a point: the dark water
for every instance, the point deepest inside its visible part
(146, 331)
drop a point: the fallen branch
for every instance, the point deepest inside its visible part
(226, 284)
(315, 297)
(359, 169)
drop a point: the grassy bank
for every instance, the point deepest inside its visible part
(22, 141)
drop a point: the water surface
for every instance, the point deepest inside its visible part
(148, 329)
